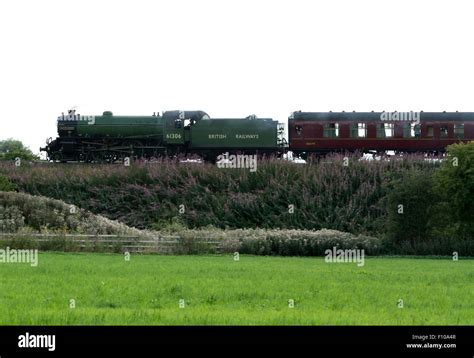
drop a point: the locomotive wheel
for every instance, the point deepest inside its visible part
(82, 157)
(135, 150)
(108, 157)
(96, 157)
(57, 157)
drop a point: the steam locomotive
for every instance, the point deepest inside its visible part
(108, 138)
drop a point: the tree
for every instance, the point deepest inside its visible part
(454, 181)
(11, 149)
(409, 208)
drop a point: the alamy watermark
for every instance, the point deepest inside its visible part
(14, 256)
(336, 255)
(28, 340)
(73, 117)
(401, 116)
(245, 161)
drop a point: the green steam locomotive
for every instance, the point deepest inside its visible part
(108, 138)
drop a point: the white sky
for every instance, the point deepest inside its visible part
(229, 58)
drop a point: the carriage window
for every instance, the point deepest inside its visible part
(299, 130)
(443, 131)
(429, 131)
(415, 130)
(358, 130)
(331, 130)
(459, 130)
(385, 130)
(380, 130)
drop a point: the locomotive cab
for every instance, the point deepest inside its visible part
(177, 125)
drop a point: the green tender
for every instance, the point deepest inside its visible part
(242, 133)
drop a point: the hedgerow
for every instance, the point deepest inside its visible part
(279, 194)
(362, 198)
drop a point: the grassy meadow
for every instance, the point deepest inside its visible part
(216, 289)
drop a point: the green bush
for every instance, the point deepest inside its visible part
(438, 208)
(410, 203)
(454, 181)
(306, 243)
(11, 219)
(23, 211)
(6, 184)
(273, 242)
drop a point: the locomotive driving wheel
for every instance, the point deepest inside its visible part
(96, 157)
(82, 157)
(57, 157)
(136, 148)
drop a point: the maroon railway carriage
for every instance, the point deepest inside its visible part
(322, 132)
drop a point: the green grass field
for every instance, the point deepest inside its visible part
(218, 290)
